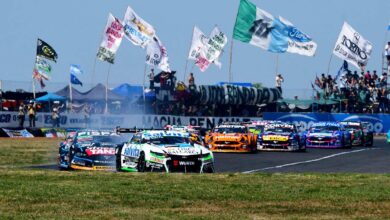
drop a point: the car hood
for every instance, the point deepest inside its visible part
(227, 137)
(183, 149)
(321, 134)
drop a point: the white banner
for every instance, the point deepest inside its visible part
(138, 31)
(352, 47)
(156, 55)
(112, 39)
(199, 41)
(212, 50)
(107, 121)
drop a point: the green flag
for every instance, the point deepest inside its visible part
(253, 25)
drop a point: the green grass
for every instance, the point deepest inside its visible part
(46, 194)
(28, 151)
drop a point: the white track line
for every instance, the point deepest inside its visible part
(309, 161)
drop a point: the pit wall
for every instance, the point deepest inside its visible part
(110, 121)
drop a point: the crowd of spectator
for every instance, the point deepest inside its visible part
(357, 93)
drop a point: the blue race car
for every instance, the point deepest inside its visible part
(280, 136)
(90, 150)
(327, 135)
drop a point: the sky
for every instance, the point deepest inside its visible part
(75, 28)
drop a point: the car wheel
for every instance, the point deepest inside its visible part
(141, 166)
(208, 169)
(70, 156)
(118, 154)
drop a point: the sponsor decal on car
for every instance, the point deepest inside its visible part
(100, 151)
(275, 138)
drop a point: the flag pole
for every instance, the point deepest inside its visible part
(33, 88)
(330, 61)
(108, 75)
(189, 48)
(230, 62)
(277, 64)
(143, 87)
(93, 72)
(384, 64)
(70, 94)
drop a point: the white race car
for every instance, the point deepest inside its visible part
(167, 151)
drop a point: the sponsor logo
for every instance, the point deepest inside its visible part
(100, 151)
(131, 152)
(354, 48)
(275, 138)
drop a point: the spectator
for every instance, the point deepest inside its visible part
(278, 82)
(387, 54)
(191, 82)
(163, 80)
(21, 115)
(151, 79)
(334, 109)
(31, 114)
(55, 116)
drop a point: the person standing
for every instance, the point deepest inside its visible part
(151, 79)
(21, 116)
(278, 82)
(191, 82)
(31, 114)
(55, 117)
(387, 54)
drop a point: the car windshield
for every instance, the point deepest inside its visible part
(352, 127)
(279, 129)
(164, 140)
(112, 139)
(227, 130)
(318, 129)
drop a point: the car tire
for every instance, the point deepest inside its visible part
(209, 169)
(118, 154)
(141, 165)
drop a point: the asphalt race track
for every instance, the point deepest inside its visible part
(354, 160)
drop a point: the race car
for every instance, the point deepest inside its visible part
(231, 138)
(184, 128)
(64, 149)
(281, 137)
(257, 128)
(388, 137)
(161, 150)
(195, 132)
(358, 135)
(90, 150)
(327, 135)
(368, 135)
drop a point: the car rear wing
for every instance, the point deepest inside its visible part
(120, 130)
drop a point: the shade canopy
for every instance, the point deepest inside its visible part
(50, 97)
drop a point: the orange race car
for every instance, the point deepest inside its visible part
(231, 138)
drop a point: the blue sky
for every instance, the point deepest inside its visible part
(74, 28)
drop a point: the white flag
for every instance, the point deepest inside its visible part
(352, 47)
(212, 50)
(156, 55)
(199, 41)
(138, 31)
(112, 39)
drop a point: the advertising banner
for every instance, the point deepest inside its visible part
(10, 119)
(378, 123)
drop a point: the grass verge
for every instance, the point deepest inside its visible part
(52, 194)
(46, 194)
(28, 151)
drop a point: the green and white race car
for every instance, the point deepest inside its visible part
(167, 151)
